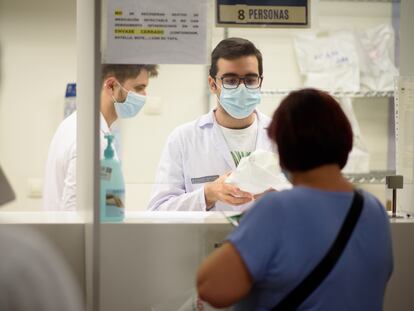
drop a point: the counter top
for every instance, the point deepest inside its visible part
(40, 217)
(131, 217)
(177, 217)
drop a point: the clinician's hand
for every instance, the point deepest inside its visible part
(258, 196)
(220, 191)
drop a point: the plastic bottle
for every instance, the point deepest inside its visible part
(70, 99)
(112, 192)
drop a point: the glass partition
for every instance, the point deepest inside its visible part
(37, 93)
(181, 94)
(148, 258)
(155, 254)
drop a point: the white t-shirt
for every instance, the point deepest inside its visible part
(241, 142)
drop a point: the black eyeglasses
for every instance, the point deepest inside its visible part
(233, 82)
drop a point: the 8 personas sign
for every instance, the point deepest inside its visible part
(273, 13)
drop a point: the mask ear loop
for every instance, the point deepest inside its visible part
(112, 95)
(217, 87)
(115, 101)
(122, 87)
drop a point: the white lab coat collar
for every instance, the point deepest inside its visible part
(104, 125)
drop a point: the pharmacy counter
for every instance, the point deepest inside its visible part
(152, 257)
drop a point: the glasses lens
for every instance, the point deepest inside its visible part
(252, 82)
(230, 82)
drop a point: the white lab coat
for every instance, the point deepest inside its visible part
(59, 192)
(196, 153)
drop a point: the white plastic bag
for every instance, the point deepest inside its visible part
(328, 61)
(347, 60)
(358, 162)
(359, 158)
(376, 54)
(347, 107)
(259, 172)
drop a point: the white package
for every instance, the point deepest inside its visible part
(347, 60)
(376, 58)
(328, 61)
(259, 172)
(347, 107)
(359, 158)
(358, 162)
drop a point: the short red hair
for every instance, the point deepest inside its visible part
(310, 129)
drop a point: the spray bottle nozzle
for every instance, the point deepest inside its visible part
(109, 151)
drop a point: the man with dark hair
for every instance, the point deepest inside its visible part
(123, 94)
(199, 155)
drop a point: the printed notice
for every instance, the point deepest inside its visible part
(156, 32)
(271, 13)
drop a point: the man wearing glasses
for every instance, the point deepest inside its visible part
(199, 155)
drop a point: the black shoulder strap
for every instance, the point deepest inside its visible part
(299, 294)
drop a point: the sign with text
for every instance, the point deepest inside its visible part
(156, 32)
(269, 13)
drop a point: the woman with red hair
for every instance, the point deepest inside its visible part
(319, 246)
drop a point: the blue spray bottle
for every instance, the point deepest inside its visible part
(112, 197)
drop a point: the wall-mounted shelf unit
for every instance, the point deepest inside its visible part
(373, 177)
(387, 1)
(359, 94)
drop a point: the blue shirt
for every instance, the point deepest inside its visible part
(286, 234)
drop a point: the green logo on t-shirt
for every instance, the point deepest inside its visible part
(238, 155)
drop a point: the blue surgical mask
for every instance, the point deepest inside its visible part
(131, 106)
(240, 102)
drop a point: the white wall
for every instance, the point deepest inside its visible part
(38, 59)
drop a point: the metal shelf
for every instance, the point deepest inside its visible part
(374, 177)
(384, 1)
(360, 94)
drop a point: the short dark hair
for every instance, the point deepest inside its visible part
(123, 72)
(310, 129)
(233, 48)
